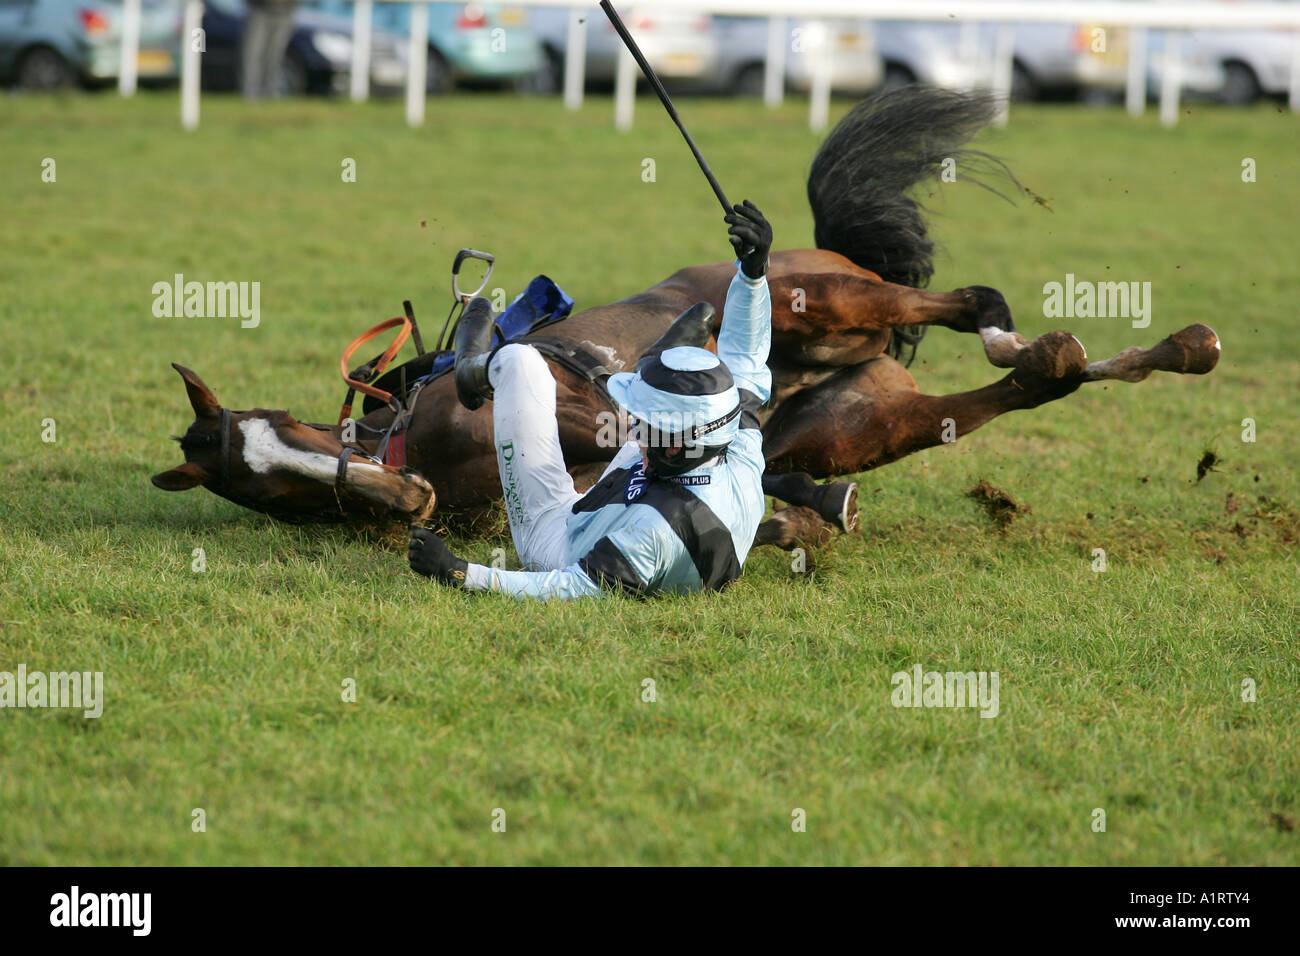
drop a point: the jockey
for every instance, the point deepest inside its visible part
(678, 507)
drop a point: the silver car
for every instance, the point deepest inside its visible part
(679, 45)
(1252, 63)
(1200, 74)
(927, 53)
(849, 45)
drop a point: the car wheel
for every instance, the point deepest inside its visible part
(749, 81)
(547, 79)
(43, 68)
(437, 74)
(1240, 86)
(293, 79)
(1023, 87)
(897, 75)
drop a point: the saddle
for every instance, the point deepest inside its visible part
(541, 305)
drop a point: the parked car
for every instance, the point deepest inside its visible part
(682, 47)
(927, 53)
(855, 66)
(1252, 63)
(1200, 75)
(1048, 59)
(51, 44)
(469, 43)
(319, 57)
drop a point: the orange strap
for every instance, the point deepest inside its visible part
(403, 334)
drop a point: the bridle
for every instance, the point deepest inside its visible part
(225, 449)
(223, 481)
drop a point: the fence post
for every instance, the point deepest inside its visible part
(819, 106)
(129, 69)
(362, 12)
(418, 51)
(1171, 80)
(624, 90)
(575, 59)
(191, 63)
(1295, 69)
(1003, 71)
(1135, 86)
(774, 65)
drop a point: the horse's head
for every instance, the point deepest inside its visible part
(270, 462)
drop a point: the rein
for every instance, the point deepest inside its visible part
(225, 447)
(563, 352)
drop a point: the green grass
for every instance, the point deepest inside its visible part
(1119, 690)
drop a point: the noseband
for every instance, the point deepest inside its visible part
(224, 481)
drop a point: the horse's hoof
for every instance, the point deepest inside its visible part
(794, 526)
(1199, 348)
(1054, 355)
(839, 505)
(988, 309)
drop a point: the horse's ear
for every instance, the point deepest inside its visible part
(181, 478)
(201, 398)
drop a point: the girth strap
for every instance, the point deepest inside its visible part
(577, 359)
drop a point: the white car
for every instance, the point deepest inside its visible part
(849, 45)
(679, 45)
(922, 53)
(1253, 63)
(855, 66)
(1199, 72)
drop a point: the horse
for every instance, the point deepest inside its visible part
(843, 401)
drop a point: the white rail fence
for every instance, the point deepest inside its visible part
(1138, 16)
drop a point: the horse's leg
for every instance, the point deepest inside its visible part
(835, 502)
(1191, 351)
(844, 318)
(872, 414)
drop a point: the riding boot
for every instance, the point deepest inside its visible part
(692, 327)
(474, 351)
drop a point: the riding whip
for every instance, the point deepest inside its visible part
(663, 98)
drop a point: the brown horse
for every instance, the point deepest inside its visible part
(840, 403)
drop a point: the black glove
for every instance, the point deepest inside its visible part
(752, 237)
(430, 557)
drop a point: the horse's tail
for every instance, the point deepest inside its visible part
(860, 180)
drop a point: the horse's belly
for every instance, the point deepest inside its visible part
(833, 349)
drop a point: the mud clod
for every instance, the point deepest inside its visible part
(1000, 506)
(1206, 465)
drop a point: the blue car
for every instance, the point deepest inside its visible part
(52, 44)
(469, 43)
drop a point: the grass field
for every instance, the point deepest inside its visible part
(1120, 690)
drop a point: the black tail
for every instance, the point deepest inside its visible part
(860, 181)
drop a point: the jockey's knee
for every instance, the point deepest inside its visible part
(517, 361)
